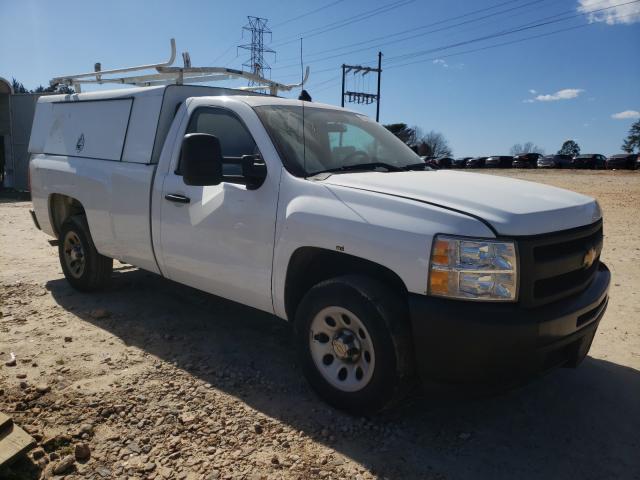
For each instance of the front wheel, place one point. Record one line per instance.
(353, 343)
(84, 268)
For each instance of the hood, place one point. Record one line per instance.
(511, 207)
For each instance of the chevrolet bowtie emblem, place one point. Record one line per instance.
(589, 257)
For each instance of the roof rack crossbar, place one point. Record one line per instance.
(67, 79)
(167, 74)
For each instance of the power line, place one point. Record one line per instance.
(323, 89)
(308, 13)
(348, 21)
(334, 81)
(324, 82)
(414, 36)
(548, 20)
(445, 28)
(518, 29)
(527, 26)
(314, 72)
(379, 10)
(439, 22)
(523, 26)
(502, 44)
(494, 14)
(489, 47)
(225, 53)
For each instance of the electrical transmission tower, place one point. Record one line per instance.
(256, 64)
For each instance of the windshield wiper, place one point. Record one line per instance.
(361, 166)
(416, 166)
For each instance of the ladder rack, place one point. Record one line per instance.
(166, 74)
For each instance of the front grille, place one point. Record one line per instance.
(549, 287)
(553, 266)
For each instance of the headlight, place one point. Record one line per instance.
(473, 269)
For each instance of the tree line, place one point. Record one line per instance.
(434, 144)
(430, 144)
(18, 87)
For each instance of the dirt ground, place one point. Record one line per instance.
(162, 381)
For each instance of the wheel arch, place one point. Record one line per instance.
(309, 266)
(61, 207)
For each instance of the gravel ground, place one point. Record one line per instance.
(155, 380)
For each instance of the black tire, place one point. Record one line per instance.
(97, 269)
(385, 316)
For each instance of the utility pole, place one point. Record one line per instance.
(257, 64)
(362, 97)
(379, 77)
(343, 75)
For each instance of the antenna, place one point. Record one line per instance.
(302, 99)
(301, 63)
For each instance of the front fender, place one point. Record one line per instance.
(393, 232)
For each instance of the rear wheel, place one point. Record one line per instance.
(354, 344)
(84, 268)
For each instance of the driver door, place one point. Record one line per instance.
(219, 238)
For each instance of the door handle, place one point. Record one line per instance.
(174, 197)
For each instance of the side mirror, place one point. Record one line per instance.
(254, 171)
(201, 159)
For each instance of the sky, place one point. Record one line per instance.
(485, 73)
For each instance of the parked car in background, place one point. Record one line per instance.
(460, 162)
(622, 161)
(526, 160)
(564, 161)
(546, 162)
(589, 160)
(555, 161)
(499, 161)
(444, 162)
(476, 162)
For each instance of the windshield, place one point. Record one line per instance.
(333, 140)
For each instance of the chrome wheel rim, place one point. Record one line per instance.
(74, 254)
(342, 349)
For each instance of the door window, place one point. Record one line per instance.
(235, 139)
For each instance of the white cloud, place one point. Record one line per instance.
(626, 115)
(610, 11)
(439, 61)
(532, 91)
(564, 94)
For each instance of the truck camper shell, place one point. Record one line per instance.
(133, 122)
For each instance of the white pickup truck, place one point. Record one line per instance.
(389, 271)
